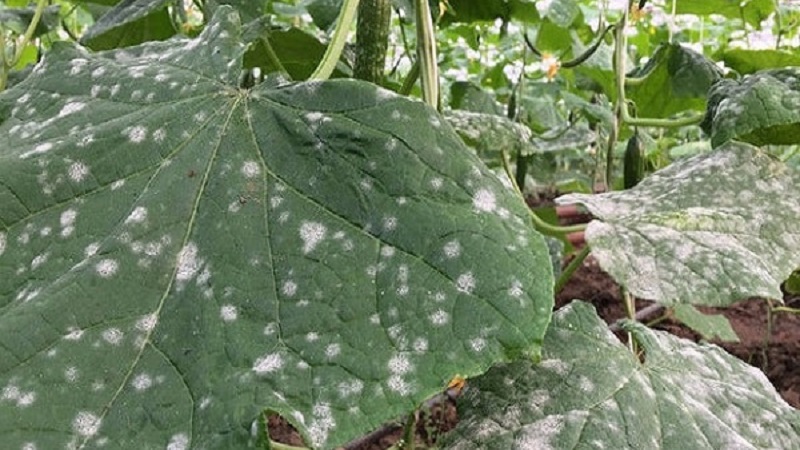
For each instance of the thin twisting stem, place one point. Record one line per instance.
(573, 265)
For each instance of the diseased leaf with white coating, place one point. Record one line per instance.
(709, 230)
(489, 134)
(590, 391)
(762, 108)
(178, 254)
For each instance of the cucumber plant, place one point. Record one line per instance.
(189, 241)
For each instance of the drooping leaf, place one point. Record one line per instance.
(762, 108)
(490, 134)
(469, 11)
(179, 254)
(751, 11)
(19, 19)
(709, 326)
(298, 51)
(248, 10)
(674, 80)
(130, 22)
(324, 12)
(563, 13)
(590, 391)
(471, 97)
(698, 231)
(746, 61)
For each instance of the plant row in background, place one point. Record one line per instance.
(198, 227)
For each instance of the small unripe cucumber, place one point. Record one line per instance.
(634, 162)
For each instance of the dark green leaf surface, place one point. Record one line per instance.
(747, 61)
(751, 11)
(589, 391)
(468, 11)
(19, 19)
(324, 12)
(763, 108)
(699, 230)
(298, 51)
(674, 80)
(178, 254)
(130, 22)
(471, 97)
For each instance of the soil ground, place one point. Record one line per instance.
(776, 352)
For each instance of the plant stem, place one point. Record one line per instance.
(630, 310)
(335, 47)
(372, 39)
(426, 54)
(573, 265)
(786, 309)
(411, 78)
(278, 446)
(409, 431)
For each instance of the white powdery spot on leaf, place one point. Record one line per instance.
(138, 215)
(78, 171)
(44, 147)
(178, 441)
(71, 108)
(390, 223)
(228, 313)
(86, 424)
(250, 169)
(142, 382)
(137, 134)
(91, 249)
(71, 374)
(188, 263)
(477, 344)
(159, 135)
(516, 289)
(321, 425)
(268, 363)
(39, 260)
(484, 200)
(3, 240)
(147, 322)
(452, 249)
(465, 283)
(289, 288)
(312, 233)
(439, 318)
(113, 336)
(333, 350)
(106, 268)
(399, 364)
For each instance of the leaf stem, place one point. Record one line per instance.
(573, 265)
(335, 47)
(426, 54)
(409, 430)
(279, 446)
(273, 58)
(540, 224)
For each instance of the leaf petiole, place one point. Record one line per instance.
(334, 51)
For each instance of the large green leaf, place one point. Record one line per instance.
(751, 11)
(470, 97)
(490, 134)
(590, 391)
(763, 108)
(747, 61)
(710, 230)
(130, 22)
(675, 79)
(178, 254)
